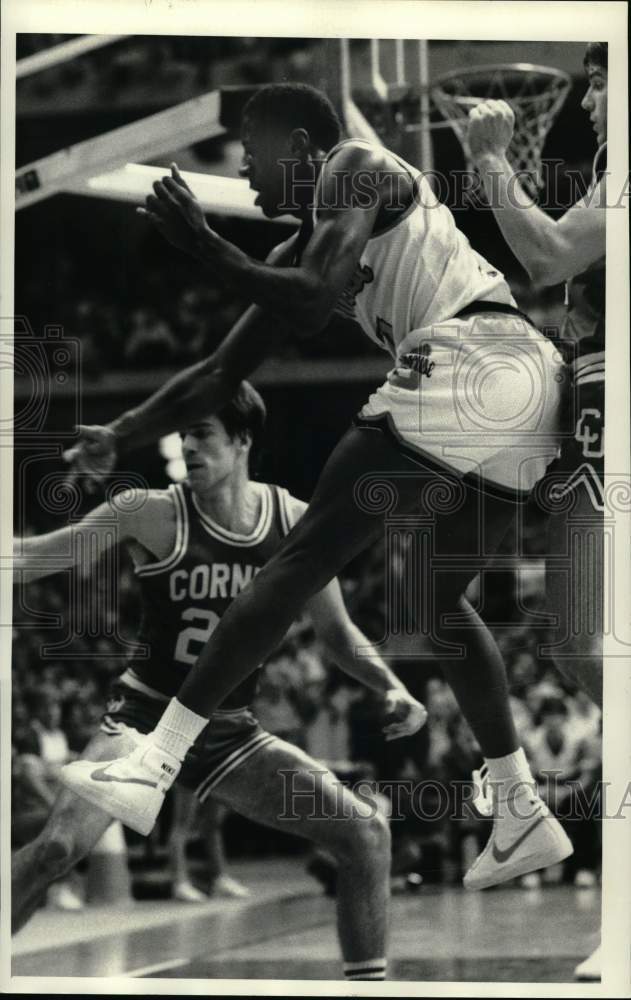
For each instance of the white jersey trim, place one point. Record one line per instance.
(129, 678)
(415, 177)
(588, 364)
(181, 537)
(288, 514)
(234, 760)
(234, 538)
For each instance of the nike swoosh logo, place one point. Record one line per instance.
(501, 856)
(102, 774)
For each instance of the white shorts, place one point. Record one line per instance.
(480, 396)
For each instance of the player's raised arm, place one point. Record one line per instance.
(551, 251)
(305, 295)
(78, 545)
(195, 392)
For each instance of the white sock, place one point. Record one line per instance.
(371, 968)
(510, 775)
(178, 729)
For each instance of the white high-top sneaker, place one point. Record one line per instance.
(525, 837)
(590, 969)
(130, 788)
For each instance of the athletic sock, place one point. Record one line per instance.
(178, 729)
(510, 775)
(371, 968)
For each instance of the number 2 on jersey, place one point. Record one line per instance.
(183, 653)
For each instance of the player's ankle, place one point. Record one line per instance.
(510, 777)
(178, 729)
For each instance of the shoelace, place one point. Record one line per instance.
(482, 794)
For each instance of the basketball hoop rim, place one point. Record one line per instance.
(487, 69)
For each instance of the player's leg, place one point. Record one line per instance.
(573, 496)
(366, 476)
(284, 788)
(72, 830)
(344, 516)
(574, 593)
(220, 883)
(183, 817)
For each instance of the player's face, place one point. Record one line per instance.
(595, 100)
(209, 452)
(263, 149)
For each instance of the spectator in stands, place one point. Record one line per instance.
(150, 342)
(52, 743)
(566, 765)
(40, 750)
(190, 818)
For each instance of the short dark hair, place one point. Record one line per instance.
(297, 105)
(245, 414)
(596, 54)
(552, 706)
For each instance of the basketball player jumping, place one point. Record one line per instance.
(460, 432)
(570, 250)
(195, 546)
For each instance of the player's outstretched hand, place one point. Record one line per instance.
(406, 715)
(93, 456)
(490, 129)
(175, 212)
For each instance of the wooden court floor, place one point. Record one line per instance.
(286, 930)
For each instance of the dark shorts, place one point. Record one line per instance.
(581, 464)
(226, 743)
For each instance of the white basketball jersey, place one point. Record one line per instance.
(417, 271)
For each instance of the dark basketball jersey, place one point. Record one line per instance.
(585, 298)
(185, 594)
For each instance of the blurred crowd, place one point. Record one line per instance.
(152, 323)
(154, 69)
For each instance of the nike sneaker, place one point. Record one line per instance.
(590, 969)
(525, 838)
(186, 892)
(130, 788)
(228, 888)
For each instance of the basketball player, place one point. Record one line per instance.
(571, 249)
(460, 432)
(195, 546)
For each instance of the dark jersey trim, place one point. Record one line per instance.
(384, 423)
(483, 306)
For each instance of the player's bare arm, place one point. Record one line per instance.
(551, 251)
(144, 520)
(327, 265)
(342, 639)
(189, 395)
(306, 295)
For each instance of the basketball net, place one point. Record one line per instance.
(536, 95)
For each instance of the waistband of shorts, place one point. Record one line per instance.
(486, 306)
(588, 368)
(384, 423)
(129, 679)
